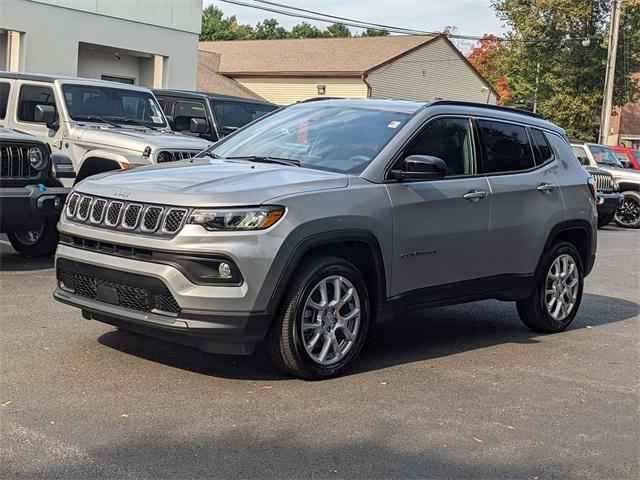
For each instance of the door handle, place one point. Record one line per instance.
(546, 187)
(475, 195)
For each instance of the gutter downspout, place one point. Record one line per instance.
(364, 79)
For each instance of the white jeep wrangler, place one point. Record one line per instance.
(91, 126)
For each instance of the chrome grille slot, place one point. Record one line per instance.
(173, 220)
(151, 219)
(73, 204)
(175, 155)
(603, 182)
(97, 212)
(131, 216)
(84, 208)
(113, 214)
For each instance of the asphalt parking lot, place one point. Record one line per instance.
(456, 392)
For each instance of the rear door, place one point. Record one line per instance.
(519, 165)
(440, 227)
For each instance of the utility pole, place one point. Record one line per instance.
(607, 99)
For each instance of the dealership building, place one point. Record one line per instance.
(153, 43)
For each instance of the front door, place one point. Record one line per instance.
(441, 226)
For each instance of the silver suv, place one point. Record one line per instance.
(92, 126)
(309, 224)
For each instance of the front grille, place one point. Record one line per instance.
(604, 182)
(127, 216)
(14, 163)
(166, 156)
(121, 293)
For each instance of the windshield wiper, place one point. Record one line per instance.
(266, 159)
(132, 121)
(208, 154)
(93, 118)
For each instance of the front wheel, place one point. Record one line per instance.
(556, 299)
(606, 219)
(323, 321)
(40, 241)
(628, 214)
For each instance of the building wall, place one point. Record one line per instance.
(432, 71)
(53, 29)
(286, 90)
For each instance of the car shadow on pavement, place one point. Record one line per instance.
(417, 336)
(10, 261)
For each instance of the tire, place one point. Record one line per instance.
(288, 341)
(534, 311)
(605, 220)
(628, 214)
(40, 242)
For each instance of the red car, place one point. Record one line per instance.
(628, 156)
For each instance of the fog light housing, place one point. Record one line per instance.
(224, 269)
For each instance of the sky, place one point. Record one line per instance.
(471, 17)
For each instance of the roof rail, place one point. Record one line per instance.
(316, 99)
(486, 105)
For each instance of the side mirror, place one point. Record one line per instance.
(170, 121)
(421, 167)
(198, 125)
(46, 114)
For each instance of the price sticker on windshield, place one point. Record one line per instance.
(394, 124)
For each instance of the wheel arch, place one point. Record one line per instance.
(629, 187)
(93, 165)
(579, 234)
(360, 247)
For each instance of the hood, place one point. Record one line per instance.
(626, 174)
(208, 182)
(139, 138)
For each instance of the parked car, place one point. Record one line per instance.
(309, 224)
(629, 157)
(608, 196)
(207, 115)
(628, 181)
(97, 125)
(30, 198)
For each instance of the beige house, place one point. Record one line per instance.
(286, 71)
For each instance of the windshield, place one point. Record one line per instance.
(605, 156)
(636, 154)
(119, 105)
(231, 116)
(333, 138)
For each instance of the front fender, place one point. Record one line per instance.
(132, 160)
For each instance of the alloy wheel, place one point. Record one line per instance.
(330, 320)
(629, 212)
(561, 287)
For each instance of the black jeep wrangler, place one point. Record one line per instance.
(31, 199)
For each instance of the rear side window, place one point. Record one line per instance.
(4, 98)
(541, 148)
(449, 139)
(30, 97)
(506, 147)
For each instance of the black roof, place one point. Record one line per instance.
(213, 96)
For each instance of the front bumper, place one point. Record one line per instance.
(608, 202)
(23, 208)
(207, 317)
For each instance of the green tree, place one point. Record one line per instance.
(564, 78)
(373, 32)
(305, 30)
(270, 29)
(337, 30)
(216, 27)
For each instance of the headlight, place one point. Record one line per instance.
(235, 219)
(164, 157)
(614, 184)
(36, 158)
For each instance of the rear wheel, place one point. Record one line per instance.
(36, 242)
(323, 321)
(628, 214)
(556, 299)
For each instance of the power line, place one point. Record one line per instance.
(322, 17)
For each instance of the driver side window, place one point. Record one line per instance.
(449, 139)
